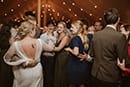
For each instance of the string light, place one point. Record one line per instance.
(50, 14)
(100, 18)
(5, 14)
(41, 16)
(43, 6)
(81, 9)
(12, 10)
(53, 10)
(52, 18)
(2, 0)
(18, 20)
(15, 19)
(95, 6)
(48, 6)
(64, 3)
(69, 9)
(58, 14)
(75, 15)
(90, 14)
(73, 3)
(18, 5)
(34, 12)
(63, 17)
(43, 12)
(49, 9)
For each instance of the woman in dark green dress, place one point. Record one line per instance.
(60, 77)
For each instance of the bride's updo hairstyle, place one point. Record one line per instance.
(24, 29)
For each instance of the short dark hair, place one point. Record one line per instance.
(111, 16)
(50, 23)
(5, 35)
(30, 13)
(85, 21)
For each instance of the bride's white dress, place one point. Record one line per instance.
(29, 76)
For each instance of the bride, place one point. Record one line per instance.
(24, 56)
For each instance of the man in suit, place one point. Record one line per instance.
(107, 46)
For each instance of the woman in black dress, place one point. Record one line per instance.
(6, 75)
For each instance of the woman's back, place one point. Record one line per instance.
(29, 47)
(29, 76)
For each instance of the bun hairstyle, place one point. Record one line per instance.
(24, 29)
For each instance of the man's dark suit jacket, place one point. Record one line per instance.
(107, 46)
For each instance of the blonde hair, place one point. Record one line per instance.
(64, 25)
(81, 28)
(24, 29)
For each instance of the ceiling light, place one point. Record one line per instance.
(43, 12)
(50, 14)
(63, 17)
(100, 18)
(58, 14)
(49, 6)
(5, 14)
(43, 6)
(90, 14)
(95, 6)
(2, 0)
(69, 9)
(48, 9)
(18, 5)
(64, 3)
(75, 15)
(12, 10)
(41, 16)
(81, 9)
(53, 10)
(73, 3)
(52, 18)
(34, 12)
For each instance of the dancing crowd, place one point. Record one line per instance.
(65, 55)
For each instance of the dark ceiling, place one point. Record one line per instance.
(66, 10)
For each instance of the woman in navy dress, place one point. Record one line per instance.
(77, 64)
